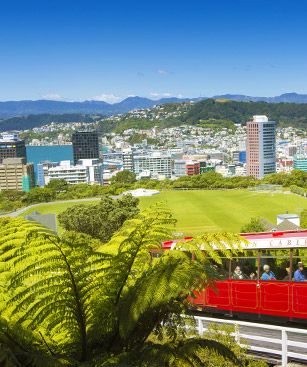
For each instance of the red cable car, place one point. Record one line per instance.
(269, 278)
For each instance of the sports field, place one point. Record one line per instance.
(224, 210)
(210, 210)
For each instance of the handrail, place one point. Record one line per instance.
(284, 342)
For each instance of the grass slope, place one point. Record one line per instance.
(210, 210)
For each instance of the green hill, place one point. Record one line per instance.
(216, 113)
(291, 114)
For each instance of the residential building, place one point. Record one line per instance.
(16, 174)
(292, 150)
(42, 171)
(87, 171)
(127, 157)
(261, 155)
(85, 145)
(192, 168)
(300, 163)
(73, 174)
(239, 156)
(94, 170)
(12, 147)
(242, 156)
(179, 167)
(156, 163)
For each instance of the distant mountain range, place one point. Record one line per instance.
(283, 98)
(24, 108)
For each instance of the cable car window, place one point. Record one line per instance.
(299, 269)
(222, 270)
(275, 265)
(244, 268)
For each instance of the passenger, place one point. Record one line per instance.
(287, 277)
(238, 275)
(253, 276)
(268, 274)
(299, 275)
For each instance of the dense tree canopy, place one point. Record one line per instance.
(100, 220)
(124, 177)
(255, 225)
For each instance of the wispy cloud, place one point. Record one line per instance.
(109, 98)
(53, 97)
(163, 72)
(160, 95)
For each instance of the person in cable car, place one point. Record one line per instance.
(299, 275)
(268, 274)
(287, 276)
(238, 274)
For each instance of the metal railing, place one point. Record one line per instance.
(286, 347)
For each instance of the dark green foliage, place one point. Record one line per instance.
(296, 177)
(58, 186)
(123, 177)
(100, 220)
(239, 112)
(213, 180)
(255, 225)
(40, 195)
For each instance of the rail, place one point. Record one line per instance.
(280, 340)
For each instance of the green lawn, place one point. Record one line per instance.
(54, 208)
(211, 210)
(216, 210)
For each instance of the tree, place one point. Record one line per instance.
(100, 220)
(39, 195)
(124, 177)
(58, 186)
(255, 225)
(304, 219)
(65, 303)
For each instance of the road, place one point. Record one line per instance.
(24, 209)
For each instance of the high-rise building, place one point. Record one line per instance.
(85, 145)
(261, 154)
(12, 147)
(15, 174)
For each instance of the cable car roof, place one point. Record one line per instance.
(262, 240)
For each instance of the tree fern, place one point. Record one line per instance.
(76, 304)
(49, 286)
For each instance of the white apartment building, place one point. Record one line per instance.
(156, 163)
(127, 158)
(88, 171)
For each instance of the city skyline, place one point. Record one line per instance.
(77, 50)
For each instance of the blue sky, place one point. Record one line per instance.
(96, 49)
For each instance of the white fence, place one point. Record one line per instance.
(274, 340)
